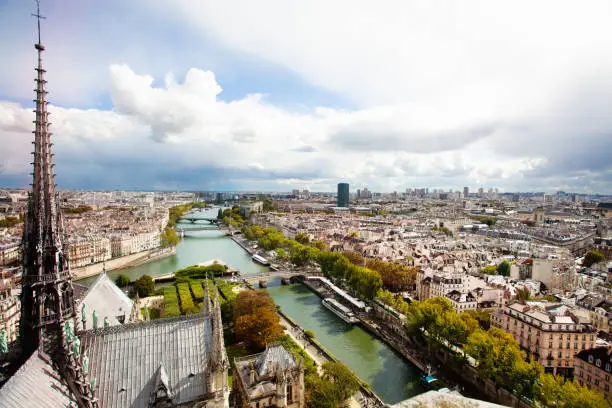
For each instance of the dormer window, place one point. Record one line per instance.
(591, 359)
(598, 363)
(608, 367)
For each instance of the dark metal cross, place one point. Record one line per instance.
(38, 17)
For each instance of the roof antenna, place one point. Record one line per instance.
(38, 17)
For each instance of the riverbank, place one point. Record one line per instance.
(115, 264)
(241, 243)
(320, 355)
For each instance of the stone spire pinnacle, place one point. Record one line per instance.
(218, 362)
(206, 305)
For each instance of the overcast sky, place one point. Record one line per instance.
(280, 94)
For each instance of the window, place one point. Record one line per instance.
(567, 345)
(588, 378)
(560, 354)
(591, 359)
(607, 387)
(597, 381)
(598, 363)
(550, 344)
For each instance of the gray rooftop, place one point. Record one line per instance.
(107, 300)
(126, 360)
(36, 385)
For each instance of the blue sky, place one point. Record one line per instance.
(275, 95)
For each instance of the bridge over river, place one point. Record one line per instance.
(194, 220)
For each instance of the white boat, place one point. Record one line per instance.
(261, 260)
(340, 310)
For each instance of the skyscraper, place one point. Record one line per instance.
(466, 192)
(343, 195)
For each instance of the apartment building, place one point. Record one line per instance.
(593, 367)
(9, 253)
(86, 250)
(10, 308)
(548, 332)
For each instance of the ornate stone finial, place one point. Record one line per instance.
(94, 318)
(83, 314)
(76, 346)
(85, 363)
(106, 322)
(4, 341)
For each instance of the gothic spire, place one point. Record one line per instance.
(47, 300)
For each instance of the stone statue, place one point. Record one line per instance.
(85, 363)
(94, 318)
(67, 331)
(106, 322)
(76, 346)
(92, 384)
(4, 341)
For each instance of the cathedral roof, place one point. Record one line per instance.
(36, 384)
(273, 358)
(125, 360)
(107, 300)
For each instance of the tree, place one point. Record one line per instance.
(489, 270)
(592, 257)
(310, 334)
(122, 281)
(255, 320)
(220, 214)
(523, 293)
(144, 286)
(282, 254)
(504, 268)
(320, 245)
(355, 257)
(302, 238)
(556, 391)
(344, 381)
(322, 393)
(168, 238)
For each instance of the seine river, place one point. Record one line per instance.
(389, 375)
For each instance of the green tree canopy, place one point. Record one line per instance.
(592, 257)
(504, 268)
(144, 286)
(122, 281)
(302, 238)
(168, 238)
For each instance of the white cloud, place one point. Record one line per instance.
(182, 127)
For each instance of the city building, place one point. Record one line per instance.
(9, 253)
(466, 192)
(343, 195)
(593, 368)
(272, 378)
(9, 310)
(548, 332)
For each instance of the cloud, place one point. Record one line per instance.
(497, 94)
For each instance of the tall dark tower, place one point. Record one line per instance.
(47, 302)
(47, 297)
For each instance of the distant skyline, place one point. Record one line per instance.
(275, 95)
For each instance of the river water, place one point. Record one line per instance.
(389, 375)
(196, 247)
